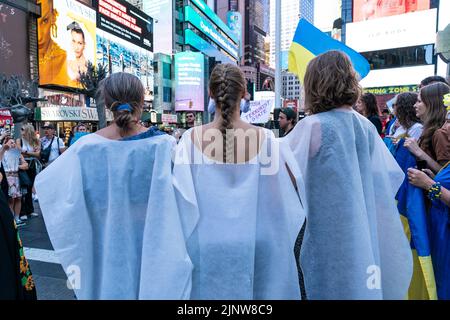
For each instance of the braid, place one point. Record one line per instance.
(227, 86)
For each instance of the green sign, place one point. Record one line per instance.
(194, 40)
(392, 89)
(215, 19)
(191, 16)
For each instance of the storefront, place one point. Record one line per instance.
(66, 118)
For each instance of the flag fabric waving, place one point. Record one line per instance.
(309, 42)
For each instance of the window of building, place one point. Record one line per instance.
(167, 94)
(401, 57)
(166, 71)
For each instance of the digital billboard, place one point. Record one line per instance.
(14, 58)
(372, 9)
(161, 12)
(189, 81)
(66, 41)
(125, 21)
(406, 30)
(119, 55)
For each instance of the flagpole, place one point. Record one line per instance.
(278, 82)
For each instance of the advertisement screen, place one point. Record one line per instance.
(161, 12)
(372, 9)
(66, 41)
(14, 58)
(125, 21)
(119, 55)
(189, 78)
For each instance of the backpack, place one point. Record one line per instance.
(45, 152)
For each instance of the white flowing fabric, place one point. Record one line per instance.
(110, 211)
(240, 221)
(353, 229)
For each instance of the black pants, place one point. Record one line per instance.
(27, 199)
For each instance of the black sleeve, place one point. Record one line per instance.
(377, 123)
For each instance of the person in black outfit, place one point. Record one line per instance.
(16, 280)
(367, 106)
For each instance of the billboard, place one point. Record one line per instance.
(14, 58)
(66, 41)
(125, 21)
(372, 9)
(161, 12)
(119, 55)
(234, 22)
(406, 30)
(189, 81)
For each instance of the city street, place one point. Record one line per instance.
(48, 274)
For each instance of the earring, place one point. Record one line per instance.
(54, 30)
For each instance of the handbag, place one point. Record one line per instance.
(45, 152)
(24, 179)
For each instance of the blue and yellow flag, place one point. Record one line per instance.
(309, 42)
(411, 205)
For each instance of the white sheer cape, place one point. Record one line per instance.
(354, 245)
(240, 221)
(110, 211)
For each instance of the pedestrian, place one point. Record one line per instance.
(432, 150)
(110, 210)
(15, 275)
(241, 213)
(354, 245)
(50, 142)
(410, 126)
(80, 131)
(287, 120)
(432, 79)
(13, 161)
(190, 120)
(367, 106)
(437, 189)
(30, 146)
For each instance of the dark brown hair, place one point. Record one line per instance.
(123, 88)
(227, 88)
(330, 82)
(405, 111)
(370, 104)
(432, 96)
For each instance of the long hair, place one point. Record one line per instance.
(330, 82)
(29, 135)
(370, 103)
(432, 96)
(405, 111)
(227, 88)
(123, 89)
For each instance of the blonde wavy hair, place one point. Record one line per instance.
(29, 134)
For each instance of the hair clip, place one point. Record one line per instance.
(124, 107)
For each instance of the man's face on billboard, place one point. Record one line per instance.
(78, 44)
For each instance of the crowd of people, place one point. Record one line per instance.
(230, 211)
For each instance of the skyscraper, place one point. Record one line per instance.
(291, 12)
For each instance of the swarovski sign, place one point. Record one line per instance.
(69, 114)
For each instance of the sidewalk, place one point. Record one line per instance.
(48, 274)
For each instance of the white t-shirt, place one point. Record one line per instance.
(54, 153)
(414, 132)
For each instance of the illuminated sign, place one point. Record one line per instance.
(401, 31)
(189, 81)
(192, 39)
(161, 11)
(215, 19)
(190, 15)
(69, 114)
(125, 21)
(373, 9)
(66, 42)
(392, 89)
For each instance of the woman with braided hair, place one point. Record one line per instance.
(241, 212)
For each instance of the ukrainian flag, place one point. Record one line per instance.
(411, 205)
(309, 42)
